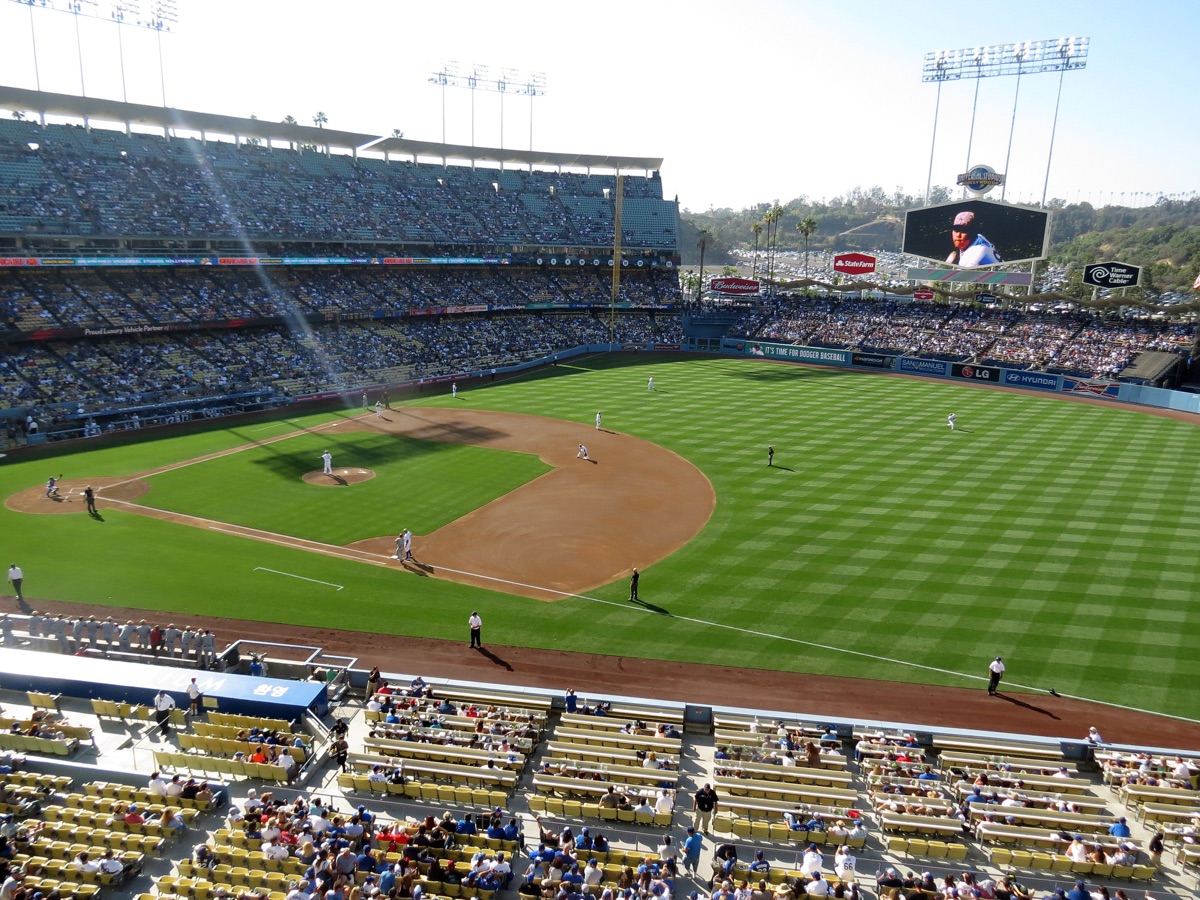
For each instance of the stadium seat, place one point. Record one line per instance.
(957, 852)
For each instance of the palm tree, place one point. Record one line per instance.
(320, 119)
(756, 229)
(774, 214)
(290, 120)
(806, 228)
(702, 244)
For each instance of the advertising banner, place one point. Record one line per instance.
(873, 360)
(1109, 390)
(793, 353)
(1042, 381)
(854, 264)
(962, 276)
(921, 366)
(733, 285)
(1112, 275)
(975, 373)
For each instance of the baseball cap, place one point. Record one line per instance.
(966, 217)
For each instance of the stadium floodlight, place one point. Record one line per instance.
(1060, 55)
(160, 15)
(484, 78)
(1025, 58)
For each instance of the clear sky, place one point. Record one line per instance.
(746, 102)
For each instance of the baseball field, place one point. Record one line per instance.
(880, 544)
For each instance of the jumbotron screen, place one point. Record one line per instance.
(974, 233)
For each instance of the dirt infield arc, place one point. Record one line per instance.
(579, 526)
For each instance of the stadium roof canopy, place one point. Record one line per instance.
(89, 108)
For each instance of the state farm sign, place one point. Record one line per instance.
(734, 285)
(854, 264)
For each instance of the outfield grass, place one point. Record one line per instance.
(1054, 533)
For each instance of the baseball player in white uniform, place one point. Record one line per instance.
(950, 421)
(327, 460)
(582, 454)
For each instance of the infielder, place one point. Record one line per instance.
(379, 407)
(582, 454)
(407, 543)
(327, 460)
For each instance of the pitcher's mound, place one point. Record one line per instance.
(339, 477)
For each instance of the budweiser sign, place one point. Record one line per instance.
(854, 264)
(734, 285)
(922, 294)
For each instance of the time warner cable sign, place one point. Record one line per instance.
(1112, 275)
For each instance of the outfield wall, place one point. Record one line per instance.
(1103, 388)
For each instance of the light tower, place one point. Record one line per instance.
(1026, 58)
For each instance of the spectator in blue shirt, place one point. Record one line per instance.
(1119, 828)
(466, 825)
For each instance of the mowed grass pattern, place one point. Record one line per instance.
(881, 545)
(1053, 533)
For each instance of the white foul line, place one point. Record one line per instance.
(301, 577)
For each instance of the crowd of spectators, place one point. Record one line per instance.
(81, 181)
(31, 300)
(173, 377)
(1091, 344)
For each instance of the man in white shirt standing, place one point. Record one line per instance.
(163, 704)
(16, 576)
(476, 624)
(995, 673)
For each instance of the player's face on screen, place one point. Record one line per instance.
(960, 239)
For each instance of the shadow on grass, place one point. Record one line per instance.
(650, 607)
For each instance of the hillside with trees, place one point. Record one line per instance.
(1163, 238)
